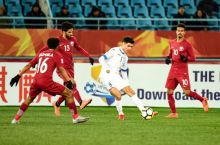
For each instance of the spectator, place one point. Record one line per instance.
(96, 13)
(4, 23)
(199, 25)
(210, 7)
(36, 23)
(180, 15)
(64, 13)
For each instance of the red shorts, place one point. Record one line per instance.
(173, 81)
(50, 87)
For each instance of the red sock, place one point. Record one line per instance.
(60, 100)
(76, 94)
(171, 102)
(73, 109)
(21, 111)
(196, 96)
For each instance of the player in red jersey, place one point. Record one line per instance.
(67, 44)
(47, 62)
(181, 52)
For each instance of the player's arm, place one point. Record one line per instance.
(103, 60)
(15, 79)
(191, 57)
(82, 51)
(168, 58)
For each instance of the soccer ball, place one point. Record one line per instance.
(90, 88)
(147, 113)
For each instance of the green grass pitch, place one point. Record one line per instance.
(39, 126)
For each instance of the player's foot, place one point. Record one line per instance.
(85, 103)
(14, 121)
(205, 104)
(56, 109)
(172, 115)
(121, 117)
(80, 119)
(155, 113)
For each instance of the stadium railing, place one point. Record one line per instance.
(111, 23)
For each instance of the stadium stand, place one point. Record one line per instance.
(118, 10)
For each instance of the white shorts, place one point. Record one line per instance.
(112, 79)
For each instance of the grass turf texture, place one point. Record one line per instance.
(39, 126)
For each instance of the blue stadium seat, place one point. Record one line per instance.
(30, 2)
(151, 3)
(144, 24)
(171, 11)
(14, 2)
(26, 8)
(172, 3)
(56, 2)
(87, 10)
(119, 3)
(55, 9)
(190, 10)
(124, 11)
(1, 2)
(141, 12)
(88, 2)
(187, 3)
(104, 2)
(213, 25)
(113, 24)
(75, 10)
(137, 3)
(127, 24)
(162, 24)
(109, 10)
(14, 9)
(72, 2)
(157, 12)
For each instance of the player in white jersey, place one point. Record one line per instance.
(114, 75)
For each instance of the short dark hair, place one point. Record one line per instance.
(128, 40)
(181, 25)
(66, 26)
(52, 43)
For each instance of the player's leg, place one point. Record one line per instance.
(71, 104)
(171, 84)
(185, 84)
(118, 102)
(22, 109)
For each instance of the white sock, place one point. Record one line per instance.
(118, 105)
(138, 102)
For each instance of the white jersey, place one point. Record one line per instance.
(115, 60)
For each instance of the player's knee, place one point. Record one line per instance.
(186, 92)
(169, 91)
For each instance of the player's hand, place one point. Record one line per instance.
(183, 58)
(91, 60)
(167, 60)
(15, 80)
(69, 84)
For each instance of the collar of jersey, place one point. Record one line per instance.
(121, 51)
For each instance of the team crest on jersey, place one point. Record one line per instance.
(181, 48)
(72, 43)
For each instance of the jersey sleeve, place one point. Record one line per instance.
(190, 53)
(79, 48)
(170, 50)
(58, 58)
(105, 58)
(34, 61)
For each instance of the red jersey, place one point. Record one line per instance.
(47, 61)
(66, 48)
(177, 49)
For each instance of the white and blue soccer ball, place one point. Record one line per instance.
(147, 113)
(90, 87)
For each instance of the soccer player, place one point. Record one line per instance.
(181, 52)
(67, 44)
(47, 61)
(114, 75)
